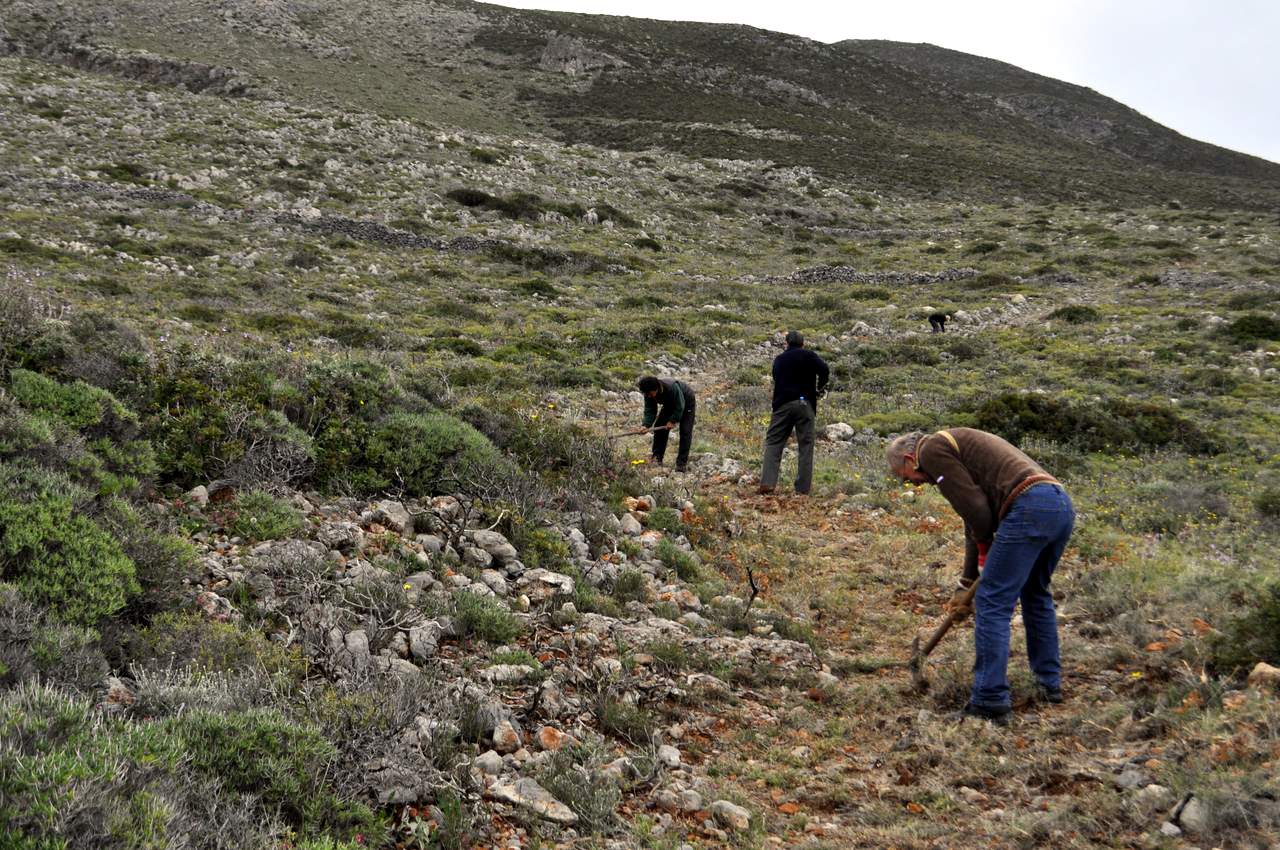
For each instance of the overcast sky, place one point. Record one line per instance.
(1209, 69)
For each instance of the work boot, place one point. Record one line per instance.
(764, 490)
(1043, 693)
(1000, 715)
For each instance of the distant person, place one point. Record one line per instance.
(938, 322)
(668, 404)
(993, 485)
(799, 378)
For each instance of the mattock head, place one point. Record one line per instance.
(917, 666)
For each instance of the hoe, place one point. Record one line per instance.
(919, 654)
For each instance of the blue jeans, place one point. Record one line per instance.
(1025, 552)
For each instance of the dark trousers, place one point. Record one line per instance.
(938, 325)
(660, 437)
(798, 416)
(1026, 550)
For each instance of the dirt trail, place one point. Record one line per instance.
(862, 759)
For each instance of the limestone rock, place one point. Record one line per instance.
(1263, 675)
(528, 794)
(838, 432)
(495, 544)
(489, 762)
(508, 673)
(631, 526)
(731, 816)
(393, 515)
(669, 756)
(1194, 816)
(506, 738)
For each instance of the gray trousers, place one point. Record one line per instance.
(795, 416)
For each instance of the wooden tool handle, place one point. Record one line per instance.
(950, 621)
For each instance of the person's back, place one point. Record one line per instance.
(799, 377)
(798, 373)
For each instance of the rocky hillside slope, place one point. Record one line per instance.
(913, 117)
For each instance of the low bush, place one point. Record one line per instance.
(258, 515)
(629, 587)
(666, 520)
(1253, 328)
(572, 777)
(1110, 425)
(111, 781)
(53, 550)
(1268, 502)
(673, 558)
(1074, 314)
(1252, 636)
(486, 618)
(35, 644)
(427, 453)
(990, 280)
(85, 430)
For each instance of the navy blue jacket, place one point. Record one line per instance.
(798, 373)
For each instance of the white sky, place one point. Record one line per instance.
(1209, 69)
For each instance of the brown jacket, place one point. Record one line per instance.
(981, 475)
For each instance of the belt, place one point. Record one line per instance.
(1023, 486)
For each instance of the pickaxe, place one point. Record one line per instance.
(919, 653)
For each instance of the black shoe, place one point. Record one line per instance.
(1000, 715)
(1047, 694)
(682, 469)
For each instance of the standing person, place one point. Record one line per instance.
(938, 322)
(995, 487)
(799, 377)
(668, 404)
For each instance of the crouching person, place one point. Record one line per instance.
(1017, 520)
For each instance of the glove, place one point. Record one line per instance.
(983, 549)
(958, 605)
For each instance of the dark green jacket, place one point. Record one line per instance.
(671, 399)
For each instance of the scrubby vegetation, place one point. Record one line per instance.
(268, 368)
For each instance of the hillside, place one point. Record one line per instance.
(916, 118)
(319, 332)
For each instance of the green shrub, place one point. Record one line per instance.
(570, 778)
(666, 520)
(485, 617)
(673, 558)
(114, 458)
(1251, 300)
(281, 762)
(1074, 314)
(258, 515)
(647, 243)
(1268, 502)
(982, 248)
(486, 156)
(123, 783)
(1253, 636)
(630, 587)
(191, 640)
(17, 246)
(1113, 424)
(990, 280)
(1252, 328)
(34, 643)
(428, 453)
(469, 197)
(306, 257)
(624, 720)
(54, 552)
